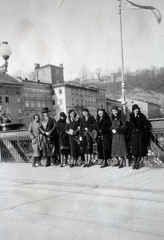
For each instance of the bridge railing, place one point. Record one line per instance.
(15, 146)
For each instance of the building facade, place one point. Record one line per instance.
(36, 96)
(67, 96)
(149, 109)
(49, 73)
(11, 98)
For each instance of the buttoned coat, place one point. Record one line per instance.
(48, 140)
(36, 137)
(119, 148)
(87, 141)
(138, 134)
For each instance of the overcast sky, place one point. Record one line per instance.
(81, 33)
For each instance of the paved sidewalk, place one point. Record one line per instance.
(80, 203)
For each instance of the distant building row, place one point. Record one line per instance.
(21, 99)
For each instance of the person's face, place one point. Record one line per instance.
(37, 119)
(85, 113)
(72, 114)
(62, 117)
(115, 112)
(45, 115)
(136, 111)
(100, 113)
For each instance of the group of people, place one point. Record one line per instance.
(73, 136)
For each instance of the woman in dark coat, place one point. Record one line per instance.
(87, 125)
(138, 135)
(72, 128)
(104, 135)
(63, 139)
(119, 127)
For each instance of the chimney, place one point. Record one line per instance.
(61, 65)
(36, 65)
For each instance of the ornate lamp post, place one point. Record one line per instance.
(5, 52)
(122, 58)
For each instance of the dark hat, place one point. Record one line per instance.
(135, 106)
(85, 110)
(115, 108)
(45, 110)
(71, 110)
(62, 114)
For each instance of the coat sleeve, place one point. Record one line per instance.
(32, 136)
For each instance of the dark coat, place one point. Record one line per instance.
(48, 140)
(63, 136)
(87, 141)
(74, 146)
(104, 126)
(119, 148)
(138, 134)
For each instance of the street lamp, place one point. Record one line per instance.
(122, 58)
(5, 52)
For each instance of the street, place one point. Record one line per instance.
(81, 203)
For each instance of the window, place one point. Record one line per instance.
(85, 103)
(88, 103)
(26, 94)
(38, 95)
(53, 92)
(73, 102)
(72, 91)
(49, 105)
(77, 92)
(7, 99)
(27, 115)
(60, 101)
(32, 103)
(0, 99)
(27, 104)
(60, 91)
(38, 104)
(81, 102)
(18, 92)
(86, 93)
(20, 120)
(43, 104)
(81, 93)
(77, 101)
(19, 110)
(6, 91)
(7, 110)
(53, 102)
(18, 100)
(31, 95)
(57, 72)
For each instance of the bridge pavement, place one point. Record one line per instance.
(80, 203)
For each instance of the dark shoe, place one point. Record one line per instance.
(104, 165)
(134, 167)
(88, 165)
(61, 165)
(71, 165)
(121, 166)
(85, 165)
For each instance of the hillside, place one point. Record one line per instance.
(113, 91)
